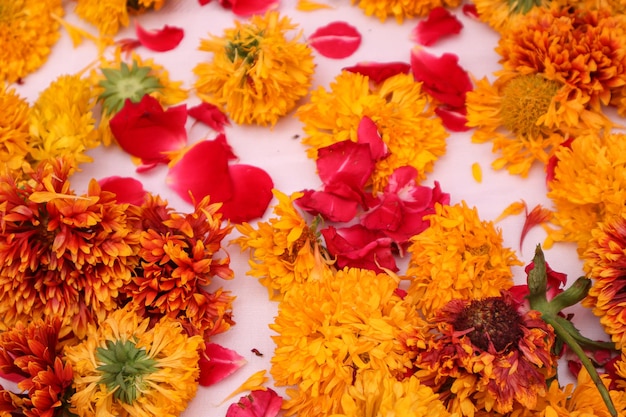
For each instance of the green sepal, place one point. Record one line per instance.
(126, 83)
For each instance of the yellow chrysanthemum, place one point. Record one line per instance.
(582, 49)
(526, 117)
(109, 15)
(458, 257)
(398, 107)
(61, 121)
(127, 368)
(605, 263)
(284, 250)
(331, 331)
(401, 9)
(28, 30)
(257, 74)
(14, 136)
(589, 186)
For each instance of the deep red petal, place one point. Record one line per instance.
(146, 131)
(210, 115)
(380, 71)
(367, 132)
(336, 40)
(554, 161)
(250, 7)
(345, 162)
(469, 10)
(442, 77)
(538, 215)
(259, 403)
(127, 190)
(218, 362)
(164, 39)
(252, 193)
(204, 2)
(386, 216)
(438, 24)
(453, 119)
(330, 206)
(203, 170)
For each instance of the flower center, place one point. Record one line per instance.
(524, 100)
(124, 368)
(126, 83)
(245, 48)
(492, 320)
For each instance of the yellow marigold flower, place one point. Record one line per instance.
(401, 9)
(605, 263)
(109, 15)
(486, 354)
(583, 49)
(589, 186)
(61, 121)
(125, 367)
(398, 107)
(27, 32)
(331, 331)
(62, 254)
(14, 136)
(179, 256)
(284, 250)
(257, 74)
(526, 117)
(458, 257)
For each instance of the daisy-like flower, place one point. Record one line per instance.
(110, 15)
(582, 49)
(28, 30)
(589, 187)
(332, 330)
(257, 73)
(459, 256)
(62, 254)
(284, 250)
(605, 263)
(14, 130)
(401, 9)
(61, 122)
(525, 116)
(33, 352)
(400, 110)
(485, 354)
(125, 367)
(179, 256)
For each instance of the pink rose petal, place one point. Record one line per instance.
(380, 71)
(346, 162)
(252, 193)
(367, 132)
(438, 24)
(453, 120)
(127, 190)
(165, 39)
(249, 7)
(210, 115)
(259, 403)
(330, 206)
(218, 362)
(336, 40)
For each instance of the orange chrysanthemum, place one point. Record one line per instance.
(60, 253)
(14, 134)
(486, 355)
(179, 255)
(401, 9)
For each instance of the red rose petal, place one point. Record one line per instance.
(218, 362)
(367, 132)
(210, 115)
(442, 77)
(438, 24)
(146, 131)
(127, 190)
(249, 7)
(252, 193)
(336, 40)
(204, 2)
(345, 162)
(165, 39)
(330, 206)
(259, 403)
(469, 10)
(380, 71)
(453, 120)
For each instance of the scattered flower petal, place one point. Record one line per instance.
(162, 40)
(218, 362)
(252, 193)
(210, 115)
(554, 160)
(454, 120)
(469, 10)
(380, 71)
(249, 7)
(255, 382)
(511, 210)
(146, 131)
(538, 215)
(368, 133)
(328, 205)
(127, 190)
(442, 77)
(259, 403)
(345, 163)
(477, 172)
(336, 40)
(438, 24)
(308, 5)
(204, 2)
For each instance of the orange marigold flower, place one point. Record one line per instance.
(486, 354)
(401, 9)
(180, 254)
(60, 253)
